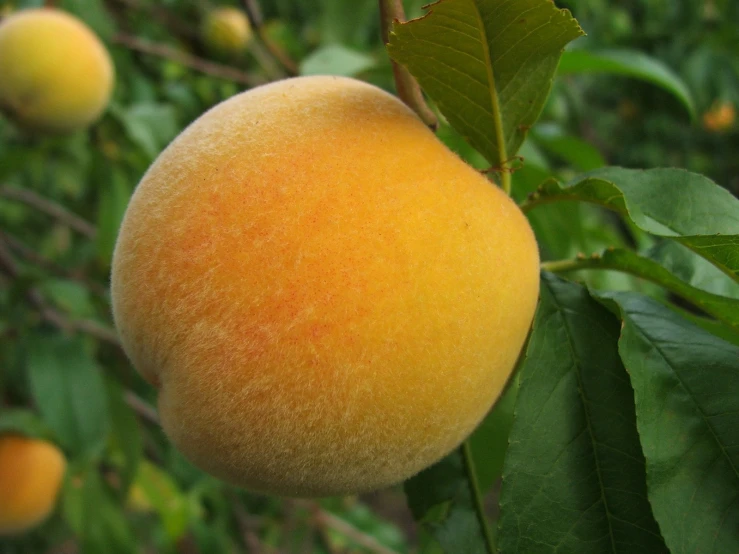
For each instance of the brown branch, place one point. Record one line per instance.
(328, 520)
(408, 88)
(164, 16)
(50, 208)
(52, 316)
(256, 20)
(193, 62)
(34, 257)
(141, 407)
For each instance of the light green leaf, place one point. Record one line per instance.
(335, 59)
(620, 259)
(488, 65)
(160, 490)
(575, 151)
(673, 203)
(686, 386)
(629, 63)
(574, 476)
(441, 501)
(69, 391)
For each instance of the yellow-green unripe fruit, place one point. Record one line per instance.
(31, 473)
(327, 298)
(226, 30)
(55, 74)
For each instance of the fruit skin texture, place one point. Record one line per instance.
(328, 299)
(31, 473)
(226, 30)
(56, 74)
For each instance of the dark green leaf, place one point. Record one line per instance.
(441, 500)
(721, 307)
(629, 63)
(114, 196)
(490, 440)
(125, 437)
(574, 476)
(686, 385)
(24, 422)
(91, 512)
(575, 151)
(672, 203)
(488, 65)
(69, 390)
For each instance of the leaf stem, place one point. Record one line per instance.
(704, 300)
(408, 88)
(256, 20)
(469, 466)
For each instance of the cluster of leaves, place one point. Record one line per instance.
(619, 431)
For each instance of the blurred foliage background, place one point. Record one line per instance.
(62, 373)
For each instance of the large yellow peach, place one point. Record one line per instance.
(226, 30)
(55, 74)
(328, 299)
(31, 473)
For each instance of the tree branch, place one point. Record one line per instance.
(256, 20)
(50, 208)
(188, 60)
(406, 85)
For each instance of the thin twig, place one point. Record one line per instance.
(335, 523)
(408, 88)
(141, 407)
(34, 257)
(50, 208)
(256, 20)
(52, 316)
(166, 17)
(193, 62)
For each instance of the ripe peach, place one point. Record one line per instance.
(31, 473)
(328, 299)
(226, 30)
(56, 74)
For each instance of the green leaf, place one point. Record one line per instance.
(620, 259)
(125, 437)
(69, 390)
(94, 13)
(489, 442)
(574, 475)
(159, 489)
(575, 151)
(24, 422)
(150, 126)
(686, 386)
(441, 501)
(693, 269)
(673, 203)
(629, 63)
(488, 65)
(335, 59)
(90, 511)
(114, 196)
(72, 297)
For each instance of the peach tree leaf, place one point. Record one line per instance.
(488, 65)
(574, 475)
(673, 203)
(686, 389)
